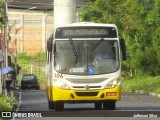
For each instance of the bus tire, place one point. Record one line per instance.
(50, 105)
(37, 88)
(58, 105)
(109, 105)
(98, 105)
(22, 88)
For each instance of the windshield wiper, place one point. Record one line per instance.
(94, 48)
(74, 50)
(97, 44)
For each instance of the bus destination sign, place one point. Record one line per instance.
(83, 32)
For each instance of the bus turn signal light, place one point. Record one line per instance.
(111, 94)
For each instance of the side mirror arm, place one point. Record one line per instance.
(49, 43)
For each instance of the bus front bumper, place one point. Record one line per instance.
(85, 95)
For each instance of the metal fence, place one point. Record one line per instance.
(38, 70)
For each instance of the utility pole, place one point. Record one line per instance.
(6, 36)
(64, 12)
(5, 43)
(44, 31)
(15, 54)
(22, 28)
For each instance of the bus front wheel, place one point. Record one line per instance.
(98, 105)
(58, 105)
(50, 105)
(109, 105)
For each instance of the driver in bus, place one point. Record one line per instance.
(101, 55)
(104, 51)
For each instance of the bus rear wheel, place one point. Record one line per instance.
(109, 105)
(58, 105)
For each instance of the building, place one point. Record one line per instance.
(30, 24)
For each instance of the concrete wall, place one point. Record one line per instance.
(33, 27)
(31, 30)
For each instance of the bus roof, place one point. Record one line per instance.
(89, 24)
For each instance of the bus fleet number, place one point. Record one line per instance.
(57, 75)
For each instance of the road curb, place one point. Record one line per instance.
(154, 94)
(150, 93)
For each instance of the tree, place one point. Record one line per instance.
(139, 23)
(2, 17)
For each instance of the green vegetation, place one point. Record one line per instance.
(7, 103)
(23, 58)
(139, 24)
(146, 84)
(2, 20)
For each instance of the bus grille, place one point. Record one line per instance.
(83, 94)
(86, 81)
(90, 87)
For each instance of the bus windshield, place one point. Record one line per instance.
(86, 57)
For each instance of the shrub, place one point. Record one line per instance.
(6, 103)
(149, 62)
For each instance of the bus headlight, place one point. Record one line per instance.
(61, 84)
(113, 83)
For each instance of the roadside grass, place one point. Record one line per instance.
(23, 58)
(144, 83)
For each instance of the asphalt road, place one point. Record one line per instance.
(144, 106)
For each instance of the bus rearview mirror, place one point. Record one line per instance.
(123, 48)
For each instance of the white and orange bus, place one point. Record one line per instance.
(84, 65)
